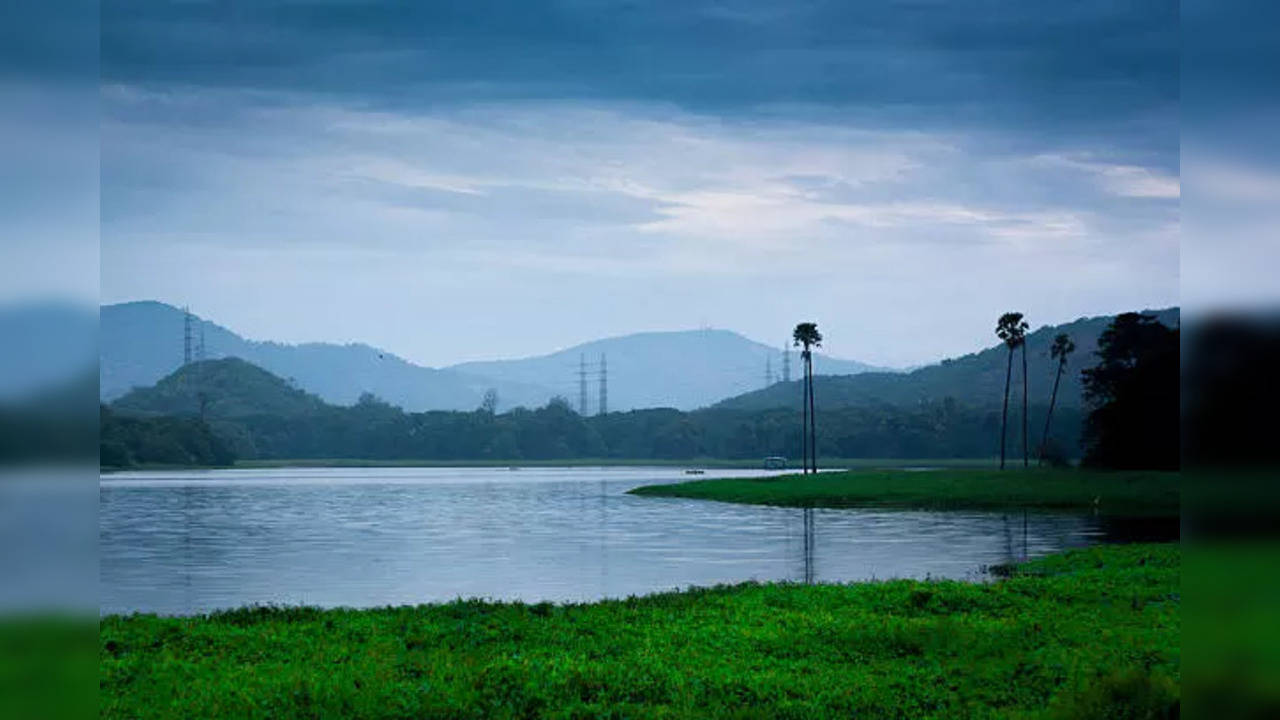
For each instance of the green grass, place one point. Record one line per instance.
(1090, 633)
(1112, 493)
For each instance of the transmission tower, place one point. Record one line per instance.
(768, 371)
(786, 364)
(186, 335)
(604, 385)
(582, 385)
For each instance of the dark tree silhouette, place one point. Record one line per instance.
(1011, 329)
(806, 335)
(1135, 421)
(1025, 461)
(1062, 347)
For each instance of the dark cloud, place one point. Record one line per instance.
(1091, 67)
(601, 167)
(49, 41)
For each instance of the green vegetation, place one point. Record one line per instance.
(1111, 493)
(262, 417)
(127, 442)
(1090, 633)
(975, 380)
(229, 387)
(1135, 420)
(47, 665)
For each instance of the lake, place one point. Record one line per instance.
(192, 541)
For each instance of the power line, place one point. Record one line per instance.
(582, 385)
(186, 335)
(604, 385)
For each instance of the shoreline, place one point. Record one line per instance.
(1134, 494)
(1022, 644)
(830, 464)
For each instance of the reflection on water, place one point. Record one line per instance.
(183, 542)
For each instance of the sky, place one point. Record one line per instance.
(460, 181)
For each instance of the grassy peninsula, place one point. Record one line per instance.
(1137, 493)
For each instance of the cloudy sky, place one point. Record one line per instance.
(457, 181)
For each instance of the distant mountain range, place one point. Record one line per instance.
(976, 380)
(682, 370)
(142, 342)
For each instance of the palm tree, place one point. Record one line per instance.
(806, 335)
(1012, 330)
(1061, 348)
(1024, 401)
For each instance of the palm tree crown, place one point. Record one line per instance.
(1012, 329)
(1062, 347)
(806, 334)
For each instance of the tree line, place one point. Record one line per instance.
(1132, 393)
(1131, 420)
(372, 429)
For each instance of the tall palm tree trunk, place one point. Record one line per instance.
(1004, 414)
(813, 420)
(1024, 404)
(804, 423)
(1053, 398)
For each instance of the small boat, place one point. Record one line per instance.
(693, 471)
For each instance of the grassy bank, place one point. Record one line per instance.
(1074, 635)
(1113, 493)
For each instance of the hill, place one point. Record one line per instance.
(229, 388)
(141, 342)
(681, 369)
(976, 379)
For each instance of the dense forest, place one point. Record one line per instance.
(165, 440)
(259, 416)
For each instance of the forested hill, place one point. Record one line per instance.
(228, 388)
(141, 342)
(975, 380)
(252, 414)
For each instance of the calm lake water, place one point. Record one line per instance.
(193, 541)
